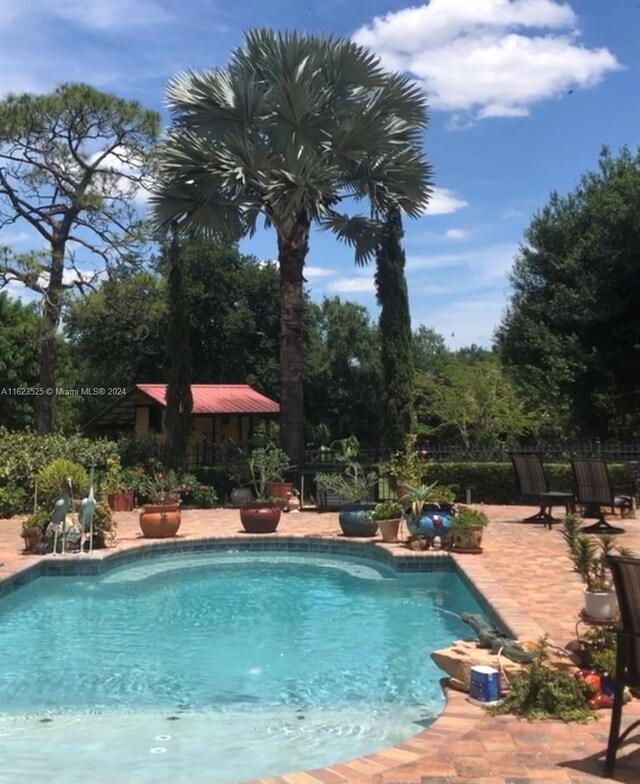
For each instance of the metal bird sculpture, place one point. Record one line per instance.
(58, 518)
(87, 510)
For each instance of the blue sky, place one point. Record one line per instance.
(523, 94)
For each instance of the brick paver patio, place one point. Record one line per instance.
(526, 575)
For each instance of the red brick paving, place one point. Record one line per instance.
(527, 577)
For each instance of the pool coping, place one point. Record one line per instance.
(458, 716)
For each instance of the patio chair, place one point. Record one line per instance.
(534, 489)
(626, 578)
(592, 487)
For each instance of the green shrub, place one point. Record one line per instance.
(51, 480)
(13, 500)
(467, 517)
(24, 454)
(495, 483)
(541, 692)
(104, 526)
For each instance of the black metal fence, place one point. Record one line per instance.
(552, 451)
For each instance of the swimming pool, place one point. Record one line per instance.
(218, 667)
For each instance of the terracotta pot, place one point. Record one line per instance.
(389, 529)
(260, 518)
(282, 490)
(159, 521)
(122, 501)
(466, 538)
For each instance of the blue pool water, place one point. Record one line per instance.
(219, 667)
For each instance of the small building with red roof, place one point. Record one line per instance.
(222, 414)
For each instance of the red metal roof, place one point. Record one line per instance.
(219, 398)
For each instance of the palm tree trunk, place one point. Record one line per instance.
(46, 406)
(293, 245)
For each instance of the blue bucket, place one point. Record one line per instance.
(484, 686)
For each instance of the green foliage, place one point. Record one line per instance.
(342, 370)
(397, 414)
(104, 525)
(467, 517)
(473, 400)
(298, 124)
(542, 692)
(36, 523)
(24, 454)
(155, 485)
(570, 335)
(353, 483)
(405, 466)
(13, 500)
(604, 661)
(127, 311)
(57, 155)
(429, 351)
(387, 510)
(19, 327)
(266, 463)
(495, 483)
(51, 481)
(588, 554)
(423, 495)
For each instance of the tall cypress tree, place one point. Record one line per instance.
(178, 361)
(398, 417)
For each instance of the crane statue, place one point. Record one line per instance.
(58, 518)
(87, 510)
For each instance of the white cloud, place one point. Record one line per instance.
(511, 213)
(456, 234)
(355, 285)
(490, 261)
(444, 201)
(317, 272)
(489, 58)
(94, 14)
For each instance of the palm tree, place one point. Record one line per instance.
(292, 130)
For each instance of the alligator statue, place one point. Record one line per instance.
(491, 637)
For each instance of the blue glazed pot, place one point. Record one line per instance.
(355, 520)
(436, 520)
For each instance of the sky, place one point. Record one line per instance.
(523, 94)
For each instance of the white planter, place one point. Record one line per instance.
(602, 605)
(240, 496)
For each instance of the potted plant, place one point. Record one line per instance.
(431, 512)
(265, 464)
(388, 515)
(353, 484)
(466, 529)
(588, 554)
(160, 516)
(239, 474)
(405, 468)
(33, 531)
(117, 483)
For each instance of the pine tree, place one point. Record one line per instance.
(398, 414)
(178, 362)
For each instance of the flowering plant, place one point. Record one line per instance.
(158, 486)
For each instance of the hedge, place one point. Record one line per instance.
(495, 483)
(24, 454)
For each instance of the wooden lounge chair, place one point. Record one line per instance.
(534, 489)
(626, 578)
(592, 488)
